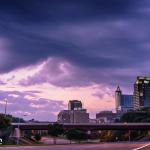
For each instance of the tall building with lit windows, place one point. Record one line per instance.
(141, 93)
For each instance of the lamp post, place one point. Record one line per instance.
(5, 106)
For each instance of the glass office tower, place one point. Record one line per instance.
(141, 93)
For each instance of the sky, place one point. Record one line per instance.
(53, 51)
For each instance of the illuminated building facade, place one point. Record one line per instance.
(141, 92)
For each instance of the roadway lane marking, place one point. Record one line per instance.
(142, 147)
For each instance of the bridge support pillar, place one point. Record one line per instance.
(99, 133)
(21, 133)
(40, 132)
(89, 133)
(129, 134)
(16, 133)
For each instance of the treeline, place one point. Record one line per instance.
(15, 119)
(139, 116)
(134, 117)
(75, 134)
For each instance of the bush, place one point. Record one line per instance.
(28, 134)
(55, 130)
(37, 137)
(76, 134)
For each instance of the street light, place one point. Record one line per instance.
(5, 106)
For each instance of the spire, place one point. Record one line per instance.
(118, 89)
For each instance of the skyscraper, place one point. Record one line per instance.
(124, 102)
(118, 94)
(141, 92)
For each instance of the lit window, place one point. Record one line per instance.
(145, 81)
(141, 94)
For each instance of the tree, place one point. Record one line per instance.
(55, 130)
(138, 116)
(76, 134)
(28, 134)
(15, 119)
(141, 115)
(37, 137)
(5, 128)
(4, 121)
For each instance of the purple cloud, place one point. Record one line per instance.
(61, 73)
(81, 42)
(37, 108)
(2, 82)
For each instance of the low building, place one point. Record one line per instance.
(105, 117)
(79, 116)
(92, 121)
(74, 114)
(64, 116)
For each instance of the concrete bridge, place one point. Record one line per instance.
(86, 126)
(19, 128)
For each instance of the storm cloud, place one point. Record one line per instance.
(88, 34)
(80, 43)
(91, 33)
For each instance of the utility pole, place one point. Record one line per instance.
(129, 135)
(5, 107)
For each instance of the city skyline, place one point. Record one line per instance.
(55, 51)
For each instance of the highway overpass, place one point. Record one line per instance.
(87, 126)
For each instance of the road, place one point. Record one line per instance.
(105, 146)
(49, 140)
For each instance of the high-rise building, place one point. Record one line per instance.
(118, 94)
(141, 92)
(74, 105)
(124, 102)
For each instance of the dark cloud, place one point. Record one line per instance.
(104, 40)
(31, 11)
(28, 25)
